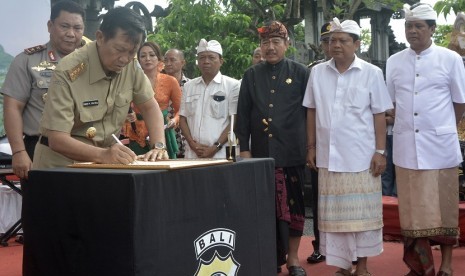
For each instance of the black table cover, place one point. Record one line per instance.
(199, 221)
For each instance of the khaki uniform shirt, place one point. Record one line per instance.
(27, 81)
(81, 96)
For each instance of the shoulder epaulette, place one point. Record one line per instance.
(85, 40)
(76, 71)
(35, 49)
(315, 63)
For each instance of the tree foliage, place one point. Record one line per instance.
(365, 38)
(446, 7)
(232, 22)
(346, 9)
(442, 35)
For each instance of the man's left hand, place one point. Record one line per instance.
(153, 155)
(206, 151)
(378, 164)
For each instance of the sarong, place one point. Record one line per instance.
(350, 216)
(349, 201)
(428, 212)
(290, 209)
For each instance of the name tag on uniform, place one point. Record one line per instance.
(47, 74)
(218, 98)
(90, 103)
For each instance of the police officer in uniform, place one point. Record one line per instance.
(324, 39)
(89, 98)
(28, 78)
(316, 257)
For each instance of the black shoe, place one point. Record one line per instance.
(296, 271)
(19, 239)
(315, 258)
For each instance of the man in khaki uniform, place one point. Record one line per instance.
(89, 97)
(28, 78)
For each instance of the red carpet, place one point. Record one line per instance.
(389, 263)
(11, 259)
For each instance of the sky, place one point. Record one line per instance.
(31, 29)
(23, 28)
(28, 27)
(396, 24)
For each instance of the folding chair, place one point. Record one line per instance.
(6, 170)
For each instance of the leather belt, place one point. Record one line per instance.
(43, 140)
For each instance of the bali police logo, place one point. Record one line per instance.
(220, 261)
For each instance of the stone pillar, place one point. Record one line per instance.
(313, 16)
(379, 49)
(92, 23)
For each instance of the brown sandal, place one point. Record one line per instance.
(363, 274)
(442, 273)
(343, 272)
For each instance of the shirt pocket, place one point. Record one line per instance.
(122, 102)
(43, 81)
(357, 98)
(219, 105)
(442, 130)
(91, 114)
(191, 102)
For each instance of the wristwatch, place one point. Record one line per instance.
(382, 152)
(218, 145)
(159, 146)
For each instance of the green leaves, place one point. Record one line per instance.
(190, 21)
(442, 35)
(445, 7)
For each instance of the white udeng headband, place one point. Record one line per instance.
(212, 46)
(347, 26)
(421, 12)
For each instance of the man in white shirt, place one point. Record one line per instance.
(346, 99)
(207, 105)
(426, 83)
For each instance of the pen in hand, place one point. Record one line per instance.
(119, 142)
(116, 139)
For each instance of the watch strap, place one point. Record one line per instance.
(218, 145)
